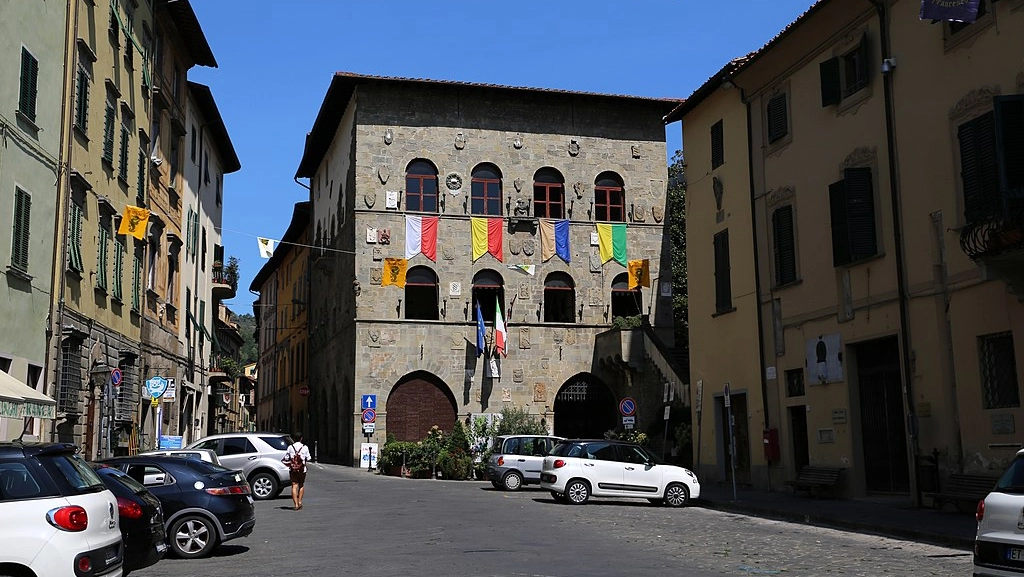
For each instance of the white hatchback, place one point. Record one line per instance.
(576, 470)
(58, 517)
(999, 545)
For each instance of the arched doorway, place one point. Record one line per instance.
(584, 408)
(417, 402)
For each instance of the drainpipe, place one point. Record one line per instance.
(881, 6)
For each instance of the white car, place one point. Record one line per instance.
(257, 455)
(202, 454)
(999, 545)
(576, 470)
(58, 518)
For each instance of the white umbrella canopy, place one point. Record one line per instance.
(18, 400)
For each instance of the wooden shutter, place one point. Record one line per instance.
(108, 132)
(101, 258)
(75, 238)
(119, 254)
(136, 282)
(978, 167)
(723, 282)
(22, 227)
(123, 156)
(82, 100)
(29, 85)
(778, 121)
(860, 213)
(717, 145)
(1009, 127)
(840, 232)
(785, 249)
(831, 89)
(140, 193)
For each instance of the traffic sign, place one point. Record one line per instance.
(628, 420)
(369, 415)
(369, 401)
(156, 387)
(368, 428)
(115, 377)
(627, 407)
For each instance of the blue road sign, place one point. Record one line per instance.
(369, 401)
(369, 415)
(115, 377)
(156, 387)
(627, 407)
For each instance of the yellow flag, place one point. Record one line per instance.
(639, 273)
(394, 272)
(479, 236)
(134, 222)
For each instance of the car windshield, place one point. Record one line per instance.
(1012, 480)
(204, 467)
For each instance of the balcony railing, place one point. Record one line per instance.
(225, 282)
(998, 234)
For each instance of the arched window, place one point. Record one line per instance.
(421, 186)
(609, 198)
(421, 294)
(559, 298)
(486, 190)
(488, 290)
(625, 302)
(548, 194)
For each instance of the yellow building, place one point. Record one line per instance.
(887, 215)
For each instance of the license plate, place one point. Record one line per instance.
(161, 547)
(111, 555)
(1015, 554)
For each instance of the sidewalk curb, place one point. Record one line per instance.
(834, 523)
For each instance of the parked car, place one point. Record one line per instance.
(141, 519)
(999, 545)
(204, 504)
(257, 455)
(516, 460)
(56, 516)
(579, 469)
(201, 454)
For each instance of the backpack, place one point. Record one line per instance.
(295, 463)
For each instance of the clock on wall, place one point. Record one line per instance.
(453, 181)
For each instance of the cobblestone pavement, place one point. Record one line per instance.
(359, 523)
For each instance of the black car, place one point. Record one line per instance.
(141, 518)
(204, 504)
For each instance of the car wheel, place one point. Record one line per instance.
(512, 481)
(192, 537)
(577, 492)
(264, 486)
(558, 497)
(677, 495)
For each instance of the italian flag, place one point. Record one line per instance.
(500, 334)
(421, 236)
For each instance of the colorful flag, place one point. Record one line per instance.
(639, 273)
(487, 236)
(500, 334)
(480, 330)
(266, 247)
(421, 236)
(956, 10)
(554, 239)
(611, 241)
(394, 272)
(529, 269)
(134, 222)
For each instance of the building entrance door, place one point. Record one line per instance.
(881, 406)
(584, 408)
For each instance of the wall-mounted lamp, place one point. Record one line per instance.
(398, 309)
(571, 203)
(444, 308)
(888, 65)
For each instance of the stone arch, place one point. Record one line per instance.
(418, 401)
(585, 407)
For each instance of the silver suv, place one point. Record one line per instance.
(516, 460)
(257, 455)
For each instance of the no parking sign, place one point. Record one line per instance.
(627, 407)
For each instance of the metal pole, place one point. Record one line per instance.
(732, 439)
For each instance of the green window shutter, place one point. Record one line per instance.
(979, 170)
(785, 249)
(778, 121)
(137, 283)
(860, 213)
(22, 226)
(195, 232)
(119, 253)
(123, 156)
(201, 320)
(82, 100)
(1009, 124)
(840, 230)
(108, 132)
(140, 192)
(29, 85)
(101, 258)
(831, 87)
(188, 234)
(75, 238)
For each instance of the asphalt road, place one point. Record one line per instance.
(357, 523)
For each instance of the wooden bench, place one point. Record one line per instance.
(813, 478)
(961, 488)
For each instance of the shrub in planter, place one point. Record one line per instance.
(455, 464)
(392, 454)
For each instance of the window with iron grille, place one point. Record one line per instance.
(548, 194)
(127, 397)
(717, 144)
(75, 238)
(29, 85)
(784, 245)
(998, 371)
(110, 116)
(609, 198)
(778, 118)
(795, 383)
(82, 99)
(21, 229)
(70, 376)
(723, 274)
(122, 171)
(421, 187)
(485, 196)
(120, 251)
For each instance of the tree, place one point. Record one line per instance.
(677, 240)
(247, 327)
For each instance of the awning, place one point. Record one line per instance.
(18, 400)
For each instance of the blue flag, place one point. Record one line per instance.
(562, 239)
(954, 10)
(480, 330)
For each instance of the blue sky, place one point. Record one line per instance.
(276, 60)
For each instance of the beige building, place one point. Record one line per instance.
(886, 215)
